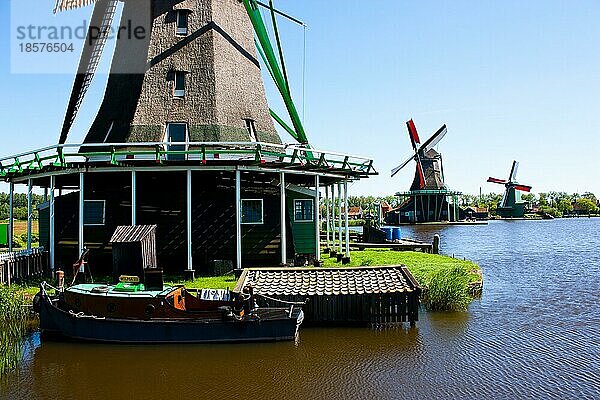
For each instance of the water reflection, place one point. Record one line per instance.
(533, 334)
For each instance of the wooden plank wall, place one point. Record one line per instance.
(386, 308)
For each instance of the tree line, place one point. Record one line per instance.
(554, 203)
(19, 204)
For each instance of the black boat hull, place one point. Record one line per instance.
(58, 322)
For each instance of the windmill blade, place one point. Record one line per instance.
(435, 139)
(102, 18)
(513, 172)
(414, 135)
(404, 164)
(496, 180)
(523, 188)
(421, 174)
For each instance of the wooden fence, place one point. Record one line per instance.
(22, 265)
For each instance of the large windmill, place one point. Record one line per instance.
(428, 198)
(511, 205)
(184, 139)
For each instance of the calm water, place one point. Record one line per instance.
(535, 333)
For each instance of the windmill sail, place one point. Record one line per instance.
(513, 172)
(435, 139)
(102, 18)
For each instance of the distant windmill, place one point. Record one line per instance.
(429, 199)
(429, 172)
(511, 205)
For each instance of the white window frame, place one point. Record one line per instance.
(168, 141)
(251, 128)
(262, 212)
(179, 93)
(312, 216)
(178, 30)
(103, 212)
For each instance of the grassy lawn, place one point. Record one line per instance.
(421, 265)
(218, 282)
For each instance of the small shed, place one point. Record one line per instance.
(360, 295)
(134, 249)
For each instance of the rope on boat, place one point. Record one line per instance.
(293, 303)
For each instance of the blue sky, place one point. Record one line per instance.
(511, 79)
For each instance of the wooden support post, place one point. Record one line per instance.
(29, 212)
(415, 216)
(11, 217)
(238, 219)
(51, 250)
(190, 261)
(317, 219)
(436, 244)
(81, 213)
(283, 212)
(133, 197)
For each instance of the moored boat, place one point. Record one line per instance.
(121, 314)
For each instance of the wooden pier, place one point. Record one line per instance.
(22, 265)
(401, 245)
(344, 296)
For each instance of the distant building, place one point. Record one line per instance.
(474, 213)
(355, 213)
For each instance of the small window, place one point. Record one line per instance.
(182, 23)
(94, 212)
(179, 84)
(251, 126)
(252, 212)
(304, 211)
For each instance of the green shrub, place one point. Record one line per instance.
(14, 318)
(447, 290)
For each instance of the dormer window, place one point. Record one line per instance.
(182, 23)
(179, 84)
(251, 127)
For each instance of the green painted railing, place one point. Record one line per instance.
(71, 155)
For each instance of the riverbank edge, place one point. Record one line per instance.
(422, 265)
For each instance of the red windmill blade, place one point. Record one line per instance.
(523, 188)
(496, 180)
(414, 135)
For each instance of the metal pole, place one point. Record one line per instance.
(346, 218)
(190, 263)
(29, 212)
(11, 217)
(318, 218)
(133, 198)
(52, 251)
(81, 211)
(283, 218)
(327, 215)
(238, 218)
(340, 216)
